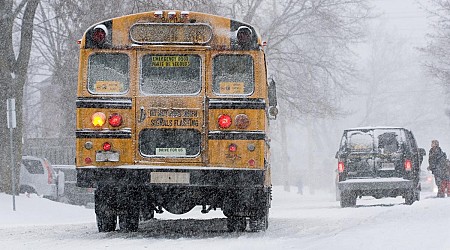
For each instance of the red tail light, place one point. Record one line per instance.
(341, 167)
(106, 146)
(251, 163)
(408, 165)
(224, 121)
(115, 120)
(49, 172)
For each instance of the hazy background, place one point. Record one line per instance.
(392, 90)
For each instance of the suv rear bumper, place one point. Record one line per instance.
(376, 184)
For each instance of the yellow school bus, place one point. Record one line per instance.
(172, 110)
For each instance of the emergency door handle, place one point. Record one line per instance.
(142, 115)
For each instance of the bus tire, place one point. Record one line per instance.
(104, 210)
(236, 224)
(129, 220)
(129, 209)
(260, 222)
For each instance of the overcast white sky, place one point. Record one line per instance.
(404, 16)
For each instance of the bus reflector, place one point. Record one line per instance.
(98, 119)
(251, 162)
(115, 120)
(88, 160)
(224, 121)
(408, 165)
(341, 167)
(106, 146)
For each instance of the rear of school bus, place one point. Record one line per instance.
(172, 112)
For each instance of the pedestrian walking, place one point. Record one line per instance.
(437, 160)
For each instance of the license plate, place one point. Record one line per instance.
(103, 156)
(387, 166)
(169, 178)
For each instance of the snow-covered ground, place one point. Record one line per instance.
(296, 222)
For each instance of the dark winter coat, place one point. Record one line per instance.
(438, 162)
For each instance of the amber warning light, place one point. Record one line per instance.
(98, 119)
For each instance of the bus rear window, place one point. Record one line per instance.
(233, 75)
(108, 73)
(171, 74)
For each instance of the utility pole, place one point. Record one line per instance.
(11, 119)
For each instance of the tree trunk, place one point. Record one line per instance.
(13, 75)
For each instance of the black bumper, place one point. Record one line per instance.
(376, 184)
(91, 177)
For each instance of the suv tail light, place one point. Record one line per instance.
(49, 172)
(341, 167)
(408, 165)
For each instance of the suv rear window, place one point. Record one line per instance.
(33, 166)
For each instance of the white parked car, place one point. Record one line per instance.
(37, 176)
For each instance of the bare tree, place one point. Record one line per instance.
(438, 62)
(15, 16)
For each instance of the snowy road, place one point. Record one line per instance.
(296, 222)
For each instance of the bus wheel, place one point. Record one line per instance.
(129, 220)
(104, 210)
(260, 222)
(236, 224)
(129, 211)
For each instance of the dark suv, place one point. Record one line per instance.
(379, 162)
